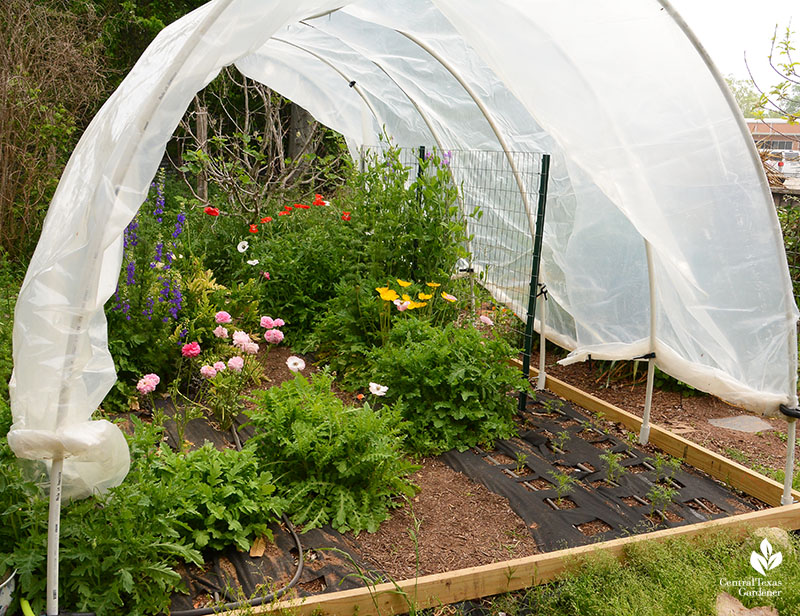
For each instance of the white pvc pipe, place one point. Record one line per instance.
(53, 531)
(489, 118)
(791, 440)
(644, 433)
(540, 382)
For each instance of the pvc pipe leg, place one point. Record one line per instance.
(540, 383)
(787, 499)
(53, 529)
(644, 433)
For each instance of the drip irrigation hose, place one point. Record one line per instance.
(205, 611)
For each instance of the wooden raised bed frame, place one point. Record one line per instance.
(476, 582)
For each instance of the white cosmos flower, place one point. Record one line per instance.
(242, 246)
(378, 390)
(252, 262)
(295, 363)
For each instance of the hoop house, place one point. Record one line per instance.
(661, 235)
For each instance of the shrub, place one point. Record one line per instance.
(452, 382)
(334, 464)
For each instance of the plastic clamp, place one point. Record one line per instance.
(790, 412)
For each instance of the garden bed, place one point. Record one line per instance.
(456, 521)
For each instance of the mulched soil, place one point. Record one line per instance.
(451, 524)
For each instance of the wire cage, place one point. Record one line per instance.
(501, 237)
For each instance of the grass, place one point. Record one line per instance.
(778, 474)
(679, 577)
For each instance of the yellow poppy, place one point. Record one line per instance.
(425, 295)
(388, 295)
(406, 298)
(417, 304)
(448, 297)
(433, 285)
(403, 283)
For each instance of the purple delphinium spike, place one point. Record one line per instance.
(179, 225)
(148, 311)
(130, 270)
(130, 238)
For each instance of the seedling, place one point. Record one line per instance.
(660, 496)
(560, 439)
(614, 469)
(521, 459)
(563, 482)
(665, 467)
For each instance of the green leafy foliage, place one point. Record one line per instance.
(229, 501)
(453, 384)
(120, 550)
(333, 463)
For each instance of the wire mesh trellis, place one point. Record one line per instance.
(500, 224)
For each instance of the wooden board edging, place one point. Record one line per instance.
(476, 582)
(734, 474)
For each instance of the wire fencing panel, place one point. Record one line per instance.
(500, 224)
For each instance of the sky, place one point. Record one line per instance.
(730, 28)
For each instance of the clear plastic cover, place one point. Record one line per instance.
(647, 149)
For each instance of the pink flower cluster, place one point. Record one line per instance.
(191, 349)
(148, 383)
(273, 335)
(242, 340)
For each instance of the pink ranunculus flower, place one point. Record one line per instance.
(190, 349)
(267, 322)
(240, 338)
(220, 332)
(148, 383)
(219, 366)
(236, 363)
(208, 372)
(251, 348)
(273, 336)
(223, 317)
(279, 322)
(486, 320)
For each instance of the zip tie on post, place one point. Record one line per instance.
(542, 290)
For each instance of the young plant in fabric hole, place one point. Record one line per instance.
(334, 464)
(453, 382)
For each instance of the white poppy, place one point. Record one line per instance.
(295, 363)
(378, 390)
(252, 262)
(242, 246)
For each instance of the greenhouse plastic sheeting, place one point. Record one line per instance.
(647, 146)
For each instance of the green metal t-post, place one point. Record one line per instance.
(537, 257)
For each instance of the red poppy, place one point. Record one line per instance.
(300, 206)
(360, 396)
(318, 200)
(253, 228)
(266, 219)
(211, 211)
(345, 215)
(289, 213)
(288, 208)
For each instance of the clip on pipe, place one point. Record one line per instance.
(793, 413)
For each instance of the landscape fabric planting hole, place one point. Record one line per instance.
(608, 507)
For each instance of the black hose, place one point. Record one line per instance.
(205, 611)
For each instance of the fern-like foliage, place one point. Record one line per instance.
(334, 464)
